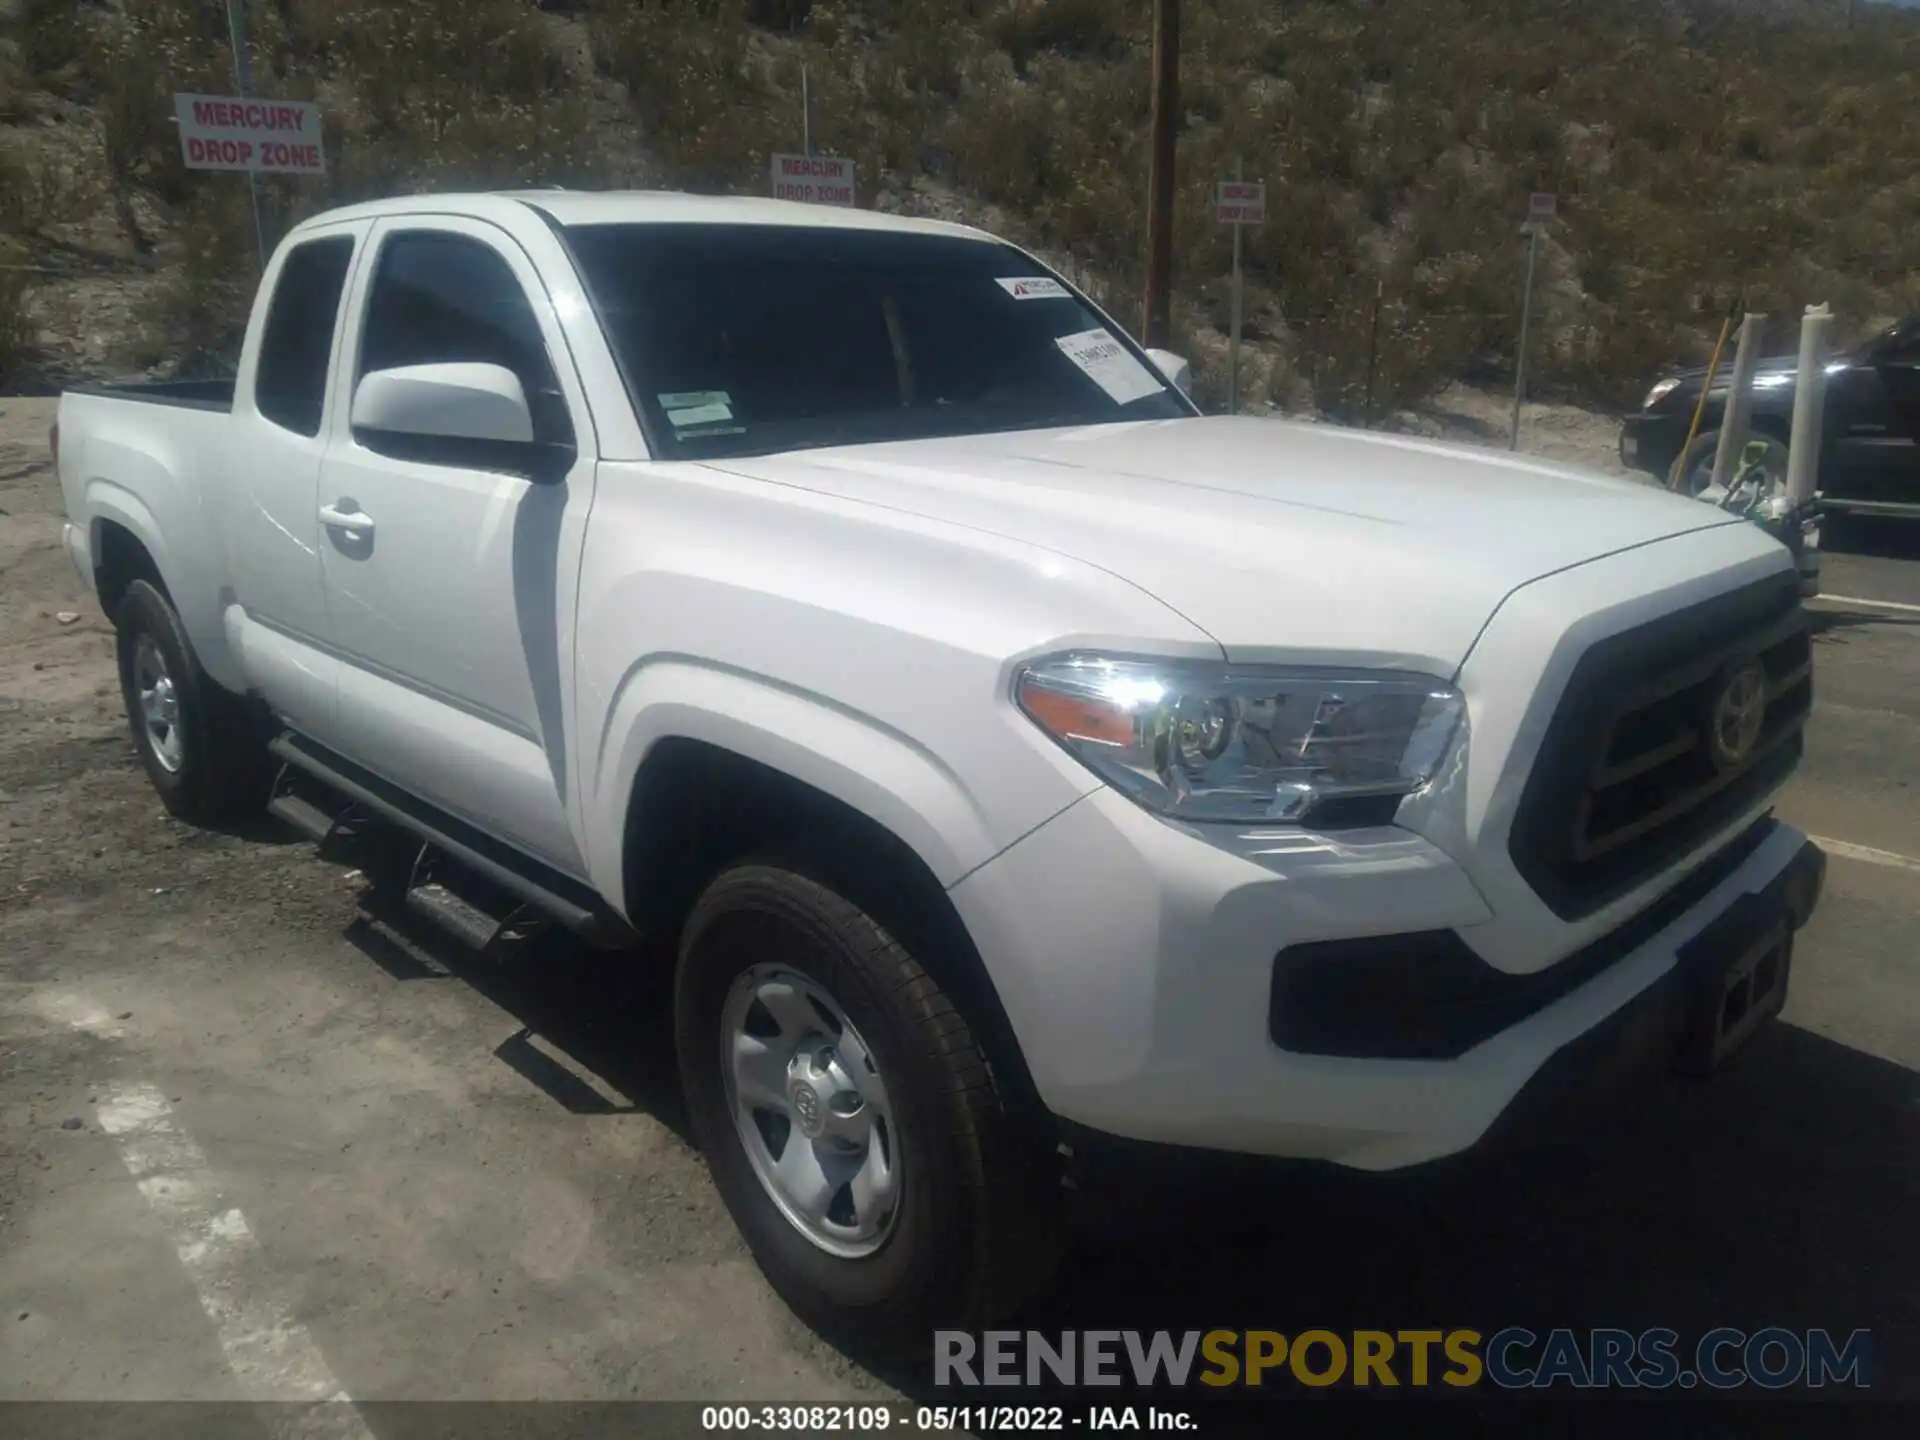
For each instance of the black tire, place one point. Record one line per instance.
(1696, 471)
(220, 768)
(1699, 453)
(976, 1229)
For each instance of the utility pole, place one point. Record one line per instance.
(1157, 309)
(1526, 320)
(243, 81)
(1233, 335)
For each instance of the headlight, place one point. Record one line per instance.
(1217, 742)
(1658, 393)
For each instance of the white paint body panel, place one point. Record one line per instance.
(513, 650)
(1134, 960)
(1284, 542)
(471, 402)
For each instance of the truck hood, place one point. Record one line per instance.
(1281, 541)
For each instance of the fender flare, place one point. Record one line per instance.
(200, 614)
(849, 756)
(108, 501)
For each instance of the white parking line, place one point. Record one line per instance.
(1870, 604)
(79, 1013)
(270, 1353)
(1848, 850)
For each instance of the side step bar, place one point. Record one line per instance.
(302, 814)
(316, 814)
(539, 899)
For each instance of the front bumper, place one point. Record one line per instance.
(1135, 960)
(1645, 1036)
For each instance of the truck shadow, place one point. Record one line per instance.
(597, 1030)
(1779, 1194)
(1833, 624)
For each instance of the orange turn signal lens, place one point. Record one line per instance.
(1074, 717)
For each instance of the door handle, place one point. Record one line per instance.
(347, 516)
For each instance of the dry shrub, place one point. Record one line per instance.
(676, 62)
(202, 317)
(445, 94)
(52, 35)
(137, 58)
(39, 191)
(16, 328)
(1698, 148)
(1088, 29)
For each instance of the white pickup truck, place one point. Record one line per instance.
(1018, 760)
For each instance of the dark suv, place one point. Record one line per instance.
(1870, 451)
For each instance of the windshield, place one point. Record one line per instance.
(748, 339)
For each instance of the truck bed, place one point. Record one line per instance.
(216, 395)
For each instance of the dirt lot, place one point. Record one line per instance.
(411, 1175)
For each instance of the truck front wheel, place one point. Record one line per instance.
(195, 741)
(849, 1118)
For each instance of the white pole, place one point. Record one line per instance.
(1733, 417)
(1809, 406)
(1233, 337)
(243, 80)
(1526, 318)
(806, 114)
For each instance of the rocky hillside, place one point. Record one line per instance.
(1699, 148)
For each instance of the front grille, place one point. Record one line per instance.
(1643, 761)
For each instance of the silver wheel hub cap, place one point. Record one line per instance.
(811, 1110)
(159, 705)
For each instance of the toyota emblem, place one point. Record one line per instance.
(807, 1110)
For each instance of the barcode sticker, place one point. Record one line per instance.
(1109, 365)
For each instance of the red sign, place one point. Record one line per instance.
(223, 132)
(1240, 202)
(814, 179)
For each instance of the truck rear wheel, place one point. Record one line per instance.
(849, 1118)
(196, 742)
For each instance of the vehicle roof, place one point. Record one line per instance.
(649, 207)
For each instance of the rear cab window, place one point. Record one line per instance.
(296, 346)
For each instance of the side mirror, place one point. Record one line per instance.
(470, 415)
(444, 402)
(1177, 372)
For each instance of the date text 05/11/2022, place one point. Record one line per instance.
(966, 1419)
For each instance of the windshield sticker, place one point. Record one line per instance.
(709, 409)
(1109, 366)
(691, 399)
(1034, 287)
